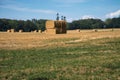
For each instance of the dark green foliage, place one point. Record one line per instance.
(4, 24)
(26, 26)
(86, 24)
(20, 26)
(113, 23)
(40, 24)
(29, 26)
(94, 24)
(35, 24)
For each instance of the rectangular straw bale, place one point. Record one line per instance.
(12, 30)
(50, 31)
(60, 27)
(20, 31)
(39, 31)
(50, 24)
(8, 31)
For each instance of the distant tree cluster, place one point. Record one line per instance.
(26, 26)
(113, 23)
(94, 24)
(34, 24)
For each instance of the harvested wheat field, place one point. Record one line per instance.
(32, 40)
(84, 55)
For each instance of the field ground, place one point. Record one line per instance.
(84, 55)
(32, 40)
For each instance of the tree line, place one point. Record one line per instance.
(94, 24)
(26, 26)
(34, 24)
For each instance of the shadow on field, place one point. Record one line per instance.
(40, 78)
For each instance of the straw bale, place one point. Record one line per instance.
(35, 31)
(78, 30)
(50, 31)
(96, 30)
(8, 31)
(50, 24)
(39, 31)
(20, 31)
(12, 30)
(44, 31)
(60, 27)
(56, 27)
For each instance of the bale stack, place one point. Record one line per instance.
(50, 27)
(60, 27)
(56, 27)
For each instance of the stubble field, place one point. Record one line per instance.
(32, 40)
(84, 55)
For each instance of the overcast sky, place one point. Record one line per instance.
(47, 9)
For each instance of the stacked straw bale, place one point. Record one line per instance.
(60, 27)
(56, 27)
(51, 31)
(50, 24)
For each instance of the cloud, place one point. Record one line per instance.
(70, 19)
(68, 3)
(87, 17)
(113, 14)
(13, 7)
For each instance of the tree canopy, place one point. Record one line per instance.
(34, 24)
(86, 24)
(113, 23)
(26, 26)
(94, 24)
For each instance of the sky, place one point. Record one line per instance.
(47, 9)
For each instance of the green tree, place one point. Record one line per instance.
(13, 24)
(40, 24)
(29, 26)
(113, 23)
(86, 24)
(20, 26)
(4, 24)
